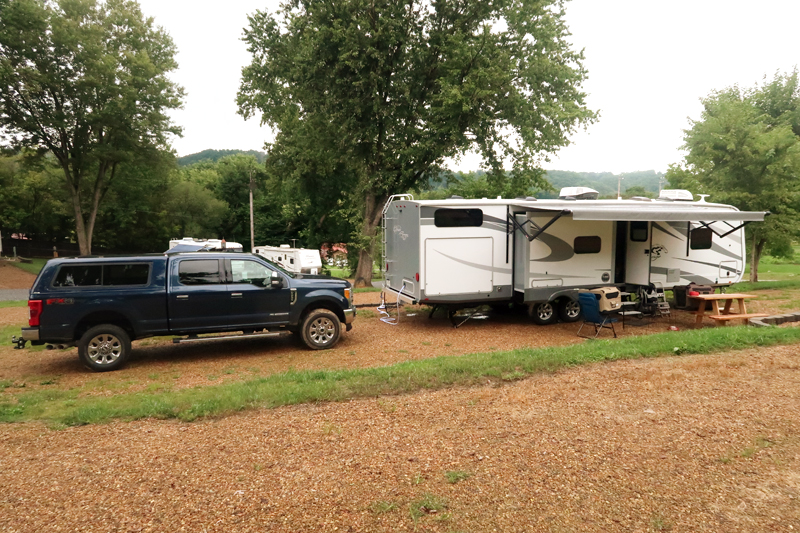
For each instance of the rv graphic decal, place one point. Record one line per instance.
(402, 234)
(475, 265)
(657, 251)
(560, 250)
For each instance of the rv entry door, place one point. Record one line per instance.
(637, 263)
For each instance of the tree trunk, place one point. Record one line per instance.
(373, 208)
(755, 257)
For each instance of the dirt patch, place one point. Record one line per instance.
(12, 277)
(698, 443)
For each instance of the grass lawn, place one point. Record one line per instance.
(33, 267)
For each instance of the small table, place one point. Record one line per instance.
(722, 316)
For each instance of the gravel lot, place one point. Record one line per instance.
(696, 443)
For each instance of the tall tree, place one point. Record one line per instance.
(86, 80)
(375, 95)
(745, 151)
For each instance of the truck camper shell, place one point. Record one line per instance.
(492, 251)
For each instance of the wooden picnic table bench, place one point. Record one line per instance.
(724, 315)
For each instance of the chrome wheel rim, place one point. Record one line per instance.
(322, 331)
(573, 309)
(104, 349)
(544, 311)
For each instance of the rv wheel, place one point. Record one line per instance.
(543, 313)
(569, 310)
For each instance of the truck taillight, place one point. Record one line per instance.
(34, 312)
(417, 276)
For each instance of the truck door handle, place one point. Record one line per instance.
(236, 295)
(183, 297)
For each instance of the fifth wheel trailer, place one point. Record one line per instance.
(460, 252)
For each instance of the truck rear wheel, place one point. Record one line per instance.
(321, 329)
(104, 347)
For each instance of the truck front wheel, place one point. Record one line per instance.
(104, 347)
(321, 329)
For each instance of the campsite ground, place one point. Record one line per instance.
(694, 443)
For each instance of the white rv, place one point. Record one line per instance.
(207, 244)
(299, 260)
(459, 252)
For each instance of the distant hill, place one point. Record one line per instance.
(216, 155)
(603, 182)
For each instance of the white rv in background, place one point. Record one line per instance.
(459, 252)
(298, 260)
(208, 244)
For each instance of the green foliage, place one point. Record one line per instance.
(369, 99)
(86, 81)
(216, 155)
(745, 151)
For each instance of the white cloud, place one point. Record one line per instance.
(649, 64)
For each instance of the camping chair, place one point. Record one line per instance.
(592, 315)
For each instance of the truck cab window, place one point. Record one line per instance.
(250, 272)
(199, 272)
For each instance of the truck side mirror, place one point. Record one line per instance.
(276, 281)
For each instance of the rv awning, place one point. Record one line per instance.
(653, 213)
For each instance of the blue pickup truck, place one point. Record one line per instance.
(101, 304)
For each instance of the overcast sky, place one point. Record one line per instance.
(649, 64)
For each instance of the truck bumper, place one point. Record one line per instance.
(349, 315)
(30, 334)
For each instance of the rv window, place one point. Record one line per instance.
(199, 272)
(701, 239)
(587, 245)
(458, 218)
(638, 231)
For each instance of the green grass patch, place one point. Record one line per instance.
(34, 267)
(367, 289)
(747, 286)
(13, 303)
(295, 387)
(454, 476)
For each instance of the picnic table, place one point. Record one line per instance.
(722, 316)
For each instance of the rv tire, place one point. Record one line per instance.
(569, 310)
(543, 313)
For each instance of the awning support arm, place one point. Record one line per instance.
(540, 230)
(722, 235)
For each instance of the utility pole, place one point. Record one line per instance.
(619, 182)
(252, 240)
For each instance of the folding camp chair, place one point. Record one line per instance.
(592, 315)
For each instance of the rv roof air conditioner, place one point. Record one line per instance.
(578, 193)
(676, 194)
(455, 197)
